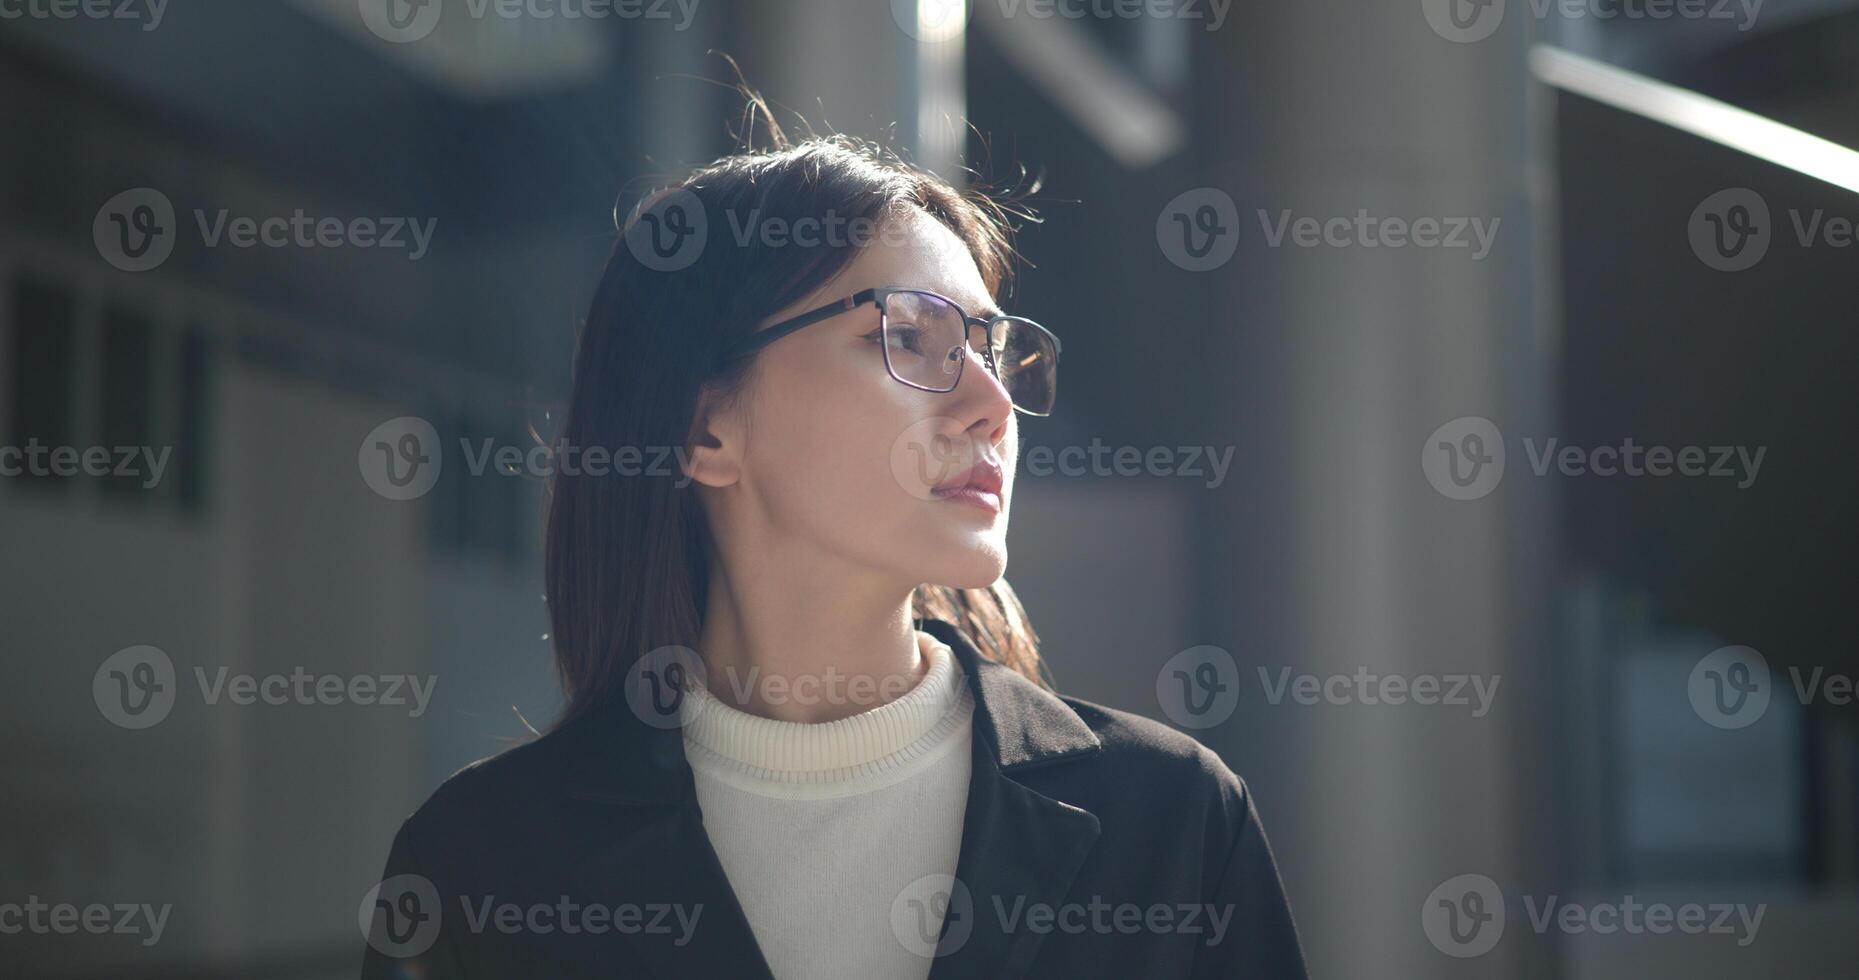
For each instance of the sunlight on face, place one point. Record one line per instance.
(845, 459)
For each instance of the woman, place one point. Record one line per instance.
(806, 733)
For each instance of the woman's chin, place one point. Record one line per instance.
(975, 568)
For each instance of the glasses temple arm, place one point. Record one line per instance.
(762, 338)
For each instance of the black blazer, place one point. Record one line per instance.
(1095, 843)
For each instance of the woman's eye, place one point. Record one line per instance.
(906, 338)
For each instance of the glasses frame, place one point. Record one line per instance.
(877, 295)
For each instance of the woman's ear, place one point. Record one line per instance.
(714, 447)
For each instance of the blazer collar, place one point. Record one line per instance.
(622, 758)
(1018, 845)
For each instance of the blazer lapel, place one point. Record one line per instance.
(660, 853)
(1020, 849)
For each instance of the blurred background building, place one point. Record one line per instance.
(1615, 299)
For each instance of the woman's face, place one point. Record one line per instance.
(830, 457)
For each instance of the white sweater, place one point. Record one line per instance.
(821, 828)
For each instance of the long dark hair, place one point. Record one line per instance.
(625, 558)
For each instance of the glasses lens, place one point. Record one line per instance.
(925, 340)
(1027, 361)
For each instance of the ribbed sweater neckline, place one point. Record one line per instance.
(870, 741)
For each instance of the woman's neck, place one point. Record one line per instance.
(796, 648)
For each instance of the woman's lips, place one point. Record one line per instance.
(973, 496)
(978, 486)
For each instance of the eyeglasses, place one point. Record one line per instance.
(925, 338)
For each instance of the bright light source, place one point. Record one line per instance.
(1721, 123)
(941, 20)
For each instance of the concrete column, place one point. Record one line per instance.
(1337, 553)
